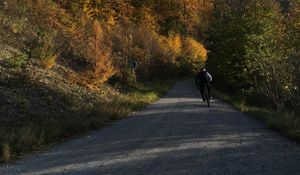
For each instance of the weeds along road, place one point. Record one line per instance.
(176, 135)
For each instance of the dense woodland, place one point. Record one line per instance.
(251, 47)
(255, 52)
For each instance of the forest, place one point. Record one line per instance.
(251, 48)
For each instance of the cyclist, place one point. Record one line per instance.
(203, 80)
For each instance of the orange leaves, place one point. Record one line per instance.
(98, 34)
(99, 57)
(146, 16)
(194, 49)
(49, 62)
(102, 69)
(193, 56)
(175, 44)
(97, 38)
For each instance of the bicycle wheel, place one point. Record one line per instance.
(206, 96)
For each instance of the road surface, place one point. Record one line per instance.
(176, 135)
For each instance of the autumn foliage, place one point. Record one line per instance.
(82, 53)
(98, 38)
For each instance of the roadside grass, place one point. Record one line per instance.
(17, 140)
(286, 124)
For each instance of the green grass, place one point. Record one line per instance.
(287, 124)
(17, 140)
(16, 61)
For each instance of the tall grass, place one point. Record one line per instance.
(285, 123)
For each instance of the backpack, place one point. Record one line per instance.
(203, 78)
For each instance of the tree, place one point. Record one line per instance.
(226, 59)
(247, 48)
(292, 41)
(265, 52)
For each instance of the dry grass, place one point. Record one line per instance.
(34, 133)
(286, 124)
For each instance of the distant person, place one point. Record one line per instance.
(133, 67)
(203, 80)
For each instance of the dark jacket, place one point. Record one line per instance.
(203, 78)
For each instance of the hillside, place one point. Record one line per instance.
(65, 64)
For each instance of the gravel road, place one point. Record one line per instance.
(176, 135)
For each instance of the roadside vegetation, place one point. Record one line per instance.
(254, 57)
(67, 66)
(285, 123)
(65, 117)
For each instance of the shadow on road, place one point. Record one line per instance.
(176, 135)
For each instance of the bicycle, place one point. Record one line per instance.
(206, 96)
(205, 93)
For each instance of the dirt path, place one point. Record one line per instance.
(175, 135)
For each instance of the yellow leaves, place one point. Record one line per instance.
(71, 29)
(111, 21)
(195, 49)
(98, 30)
(193, 56)
(97, 54)
(14, 28)
(49, 62)
(92, 32)
(103, 68)
(148, 18)
(85, 8)
(186, 47)
(175, 44)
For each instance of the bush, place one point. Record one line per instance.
(17, 61)
(150, 50)
(93, 49)
(44, 50)
(193, 56)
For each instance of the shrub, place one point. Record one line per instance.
(193, 56)
(175, 44)
(44, 51)
(17, 61)
(91, 54)
(157, 54)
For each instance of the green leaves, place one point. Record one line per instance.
(17, 61)
(250, 50)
